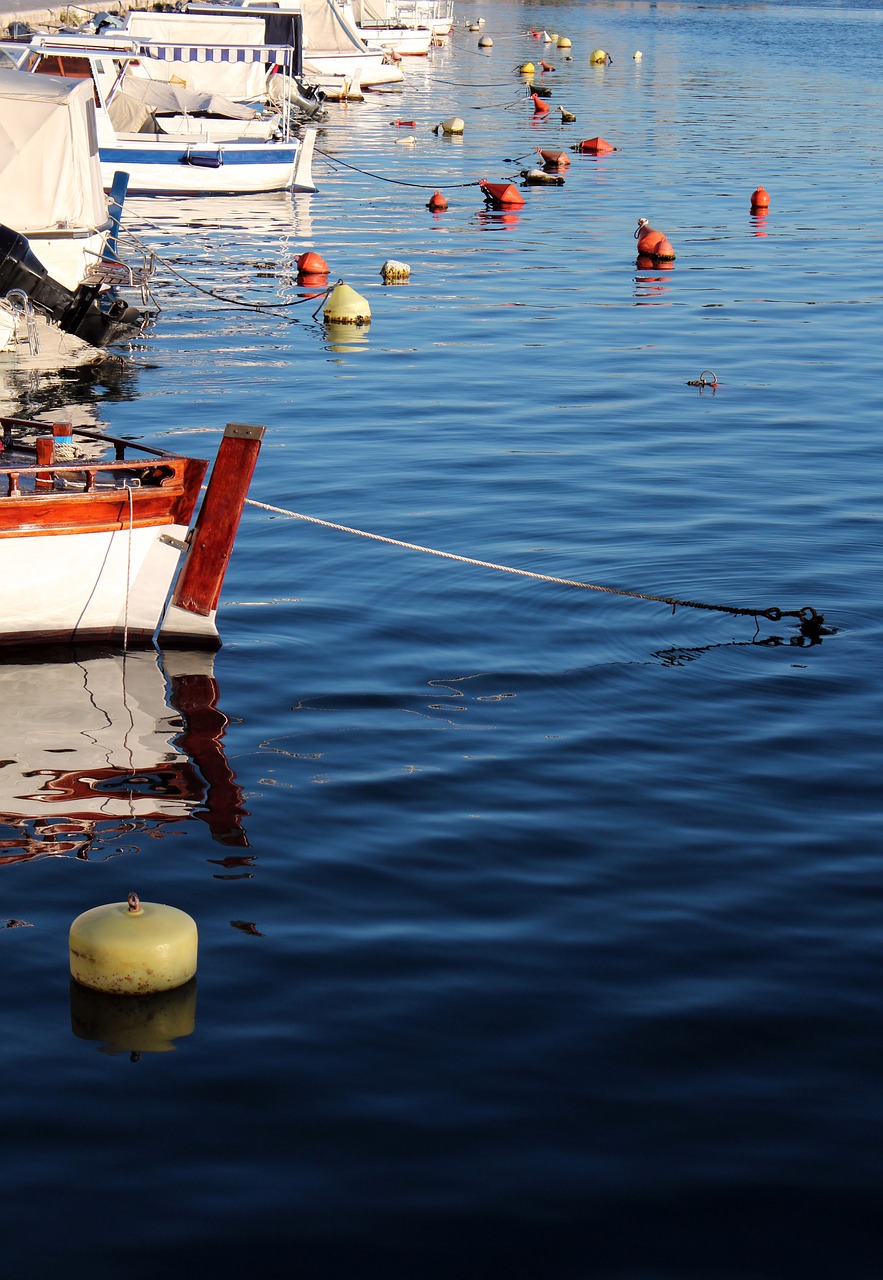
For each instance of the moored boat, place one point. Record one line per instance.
(96, 531)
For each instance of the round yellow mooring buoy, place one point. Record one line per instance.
(563, 42)
(598, 57)
(344, 306)
(527, 68)
(485, 43)
(133, 947)
(453, 124)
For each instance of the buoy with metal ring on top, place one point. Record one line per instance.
(453, 124)
(133, 948)
(501, 194)
(653, 244)
(344, 306)
(760, 199)
(437, 202)
(540, 108)
(594, 146)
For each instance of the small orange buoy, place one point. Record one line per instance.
(437, 202)
(404, 124)
(311, 264)
(501, 194)
(653, 244)
(540, 108)
(553, 159)
(760, 199)
(594, 146)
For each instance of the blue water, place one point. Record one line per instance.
(555, 943)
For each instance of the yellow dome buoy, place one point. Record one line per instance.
(453, 124)
(139, 1024)
(395, 272)
(344, 306)
(133, 948)
(598, 57)
(485, 43)
(527, 68)
(563, 42)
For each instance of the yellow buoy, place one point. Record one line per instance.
(394, 272)
(485, 43)
(453, 124)
(344, 306)
(597, 57)
(139, 1024)
(527, 68)
(637, 55)
(563, 42)
(133, 948)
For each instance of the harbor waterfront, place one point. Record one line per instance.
(539, 926)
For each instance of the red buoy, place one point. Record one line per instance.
(502, 194)
(404, 124)
(594, 146)
(653, 244)
(546, 66)
(540, 108)
(760, 199)
(311, 264)
(553, 159)
(437, 202)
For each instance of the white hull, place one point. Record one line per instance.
(406, 41)
(165, 166)
(366, 69)
(68, 586)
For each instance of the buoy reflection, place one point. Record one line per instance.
(651, 284)
(133, 1025)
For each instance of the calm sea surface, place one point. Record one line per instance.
(540, 929)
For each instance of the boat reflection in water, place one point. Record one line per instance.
(98, 750)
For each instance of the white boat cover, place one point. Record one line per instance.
(50, 176)
(326, 30)
(235, 78)
(174, 99)
(374, 12)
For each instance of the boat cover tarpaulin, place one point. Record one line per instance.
(326, 30)
(243, 77)
(374, 12)
(50, 176)
(174, 99)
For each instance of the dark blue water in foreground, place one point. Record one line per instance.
(539, 928)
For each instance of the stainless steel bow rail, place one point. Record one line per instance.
(808, 617)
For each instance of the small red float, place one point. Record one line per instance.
(594, 146)
(502, 194)
(653, 244)
(540, 108)
(311, 264)
(437, 202)
(760, 199)
(553, 159)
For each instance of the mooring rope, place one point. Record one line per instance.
(381, 177)
(806, 615)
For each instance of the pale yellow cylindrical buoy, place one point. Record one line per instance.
(637, 55)
(394, 271)
(133, 948)
(344, 306)
(485, 43)
(453, 124)
(563, 42)
(597, 57)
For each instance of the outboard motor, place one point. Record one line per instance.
(76, 312)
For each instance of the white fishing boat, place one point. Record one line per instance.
(438, 15)
(131, 136)
(377, 20)
(95, 532)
